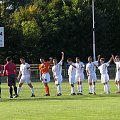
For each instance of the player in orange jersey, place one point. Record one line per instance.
(44, 68)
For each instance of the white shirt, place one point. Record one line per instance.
(90, 67)
(103, 68)
(79, 68)
(25, 69)
(71, 70)
(56, 69)
(117, 66)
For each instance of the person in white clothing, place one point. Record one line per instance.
(79, 76)
(91, 73)
(24, 76)
(56, 69)
(116, 60)
(71, 74)
(104, 74)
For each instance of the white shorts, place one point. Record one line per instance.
(46, 78)
(58, 79)
(117, 77)
(72, 79)
(104, 78)
(92, 78)
(25, 79)
(79, 77)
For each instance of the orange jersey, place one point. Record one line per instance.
(44, 67)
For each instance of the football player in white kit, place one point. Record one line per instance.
(79, 76)
(56, 69)
(104, 74)
(24, 76)
(91, 73)
(116, 60)
(71, 74)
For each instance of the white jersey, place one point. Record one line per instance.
(117, 67)
(91, 67)
(25, 69)
(56, 69)
(71, 71)
(117, 77)
(103, 68)
(79, 68)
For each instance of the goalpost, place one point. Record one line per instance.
(1, 45)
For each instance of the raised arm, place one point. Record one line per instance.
(113, 58)
(62, 56)
(98, 58)
(110, 60)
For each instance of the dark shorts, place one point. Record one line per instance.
(11, 79)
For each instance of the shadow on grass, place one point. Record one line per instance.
(64, 97)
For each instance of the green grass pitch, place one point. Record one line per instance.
(65, 107)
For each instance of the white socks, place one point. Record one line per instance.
(72, 90)
(118, 87)
(79, 87)
(90, 88)
(59, 89)
(32, 90)
(18, 90)
(106, 88)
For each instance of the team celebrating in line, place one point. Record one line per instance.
(75, 73)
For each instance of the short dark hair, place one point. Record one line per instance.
(77, 57)
(117, 56)
(8, 59)
(69, 59)
(103, 59)
(22, 58)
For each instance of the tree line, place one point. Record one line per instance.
(44, 28)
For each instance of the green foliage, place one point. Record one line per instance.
(46, 27)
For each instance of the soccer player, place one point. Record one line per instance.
(24, 76)
(56, 69)
(116, 60)
(71, 74)
(10, 72)
(104, 74)
(79, 76)
(91, 73)
(44, 68)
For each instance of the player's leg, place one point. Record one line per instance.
(90, 84)
(32, 89)
(94, 88)
(105, 91)
(107, 83)
(11, 91)
(72, 89)
(19, 88)
(79, 87)
(118, 85)
(58, 89)
(72, 82)
(14, 84)
(108, 87)
(94, 78)
(46, 80)
(10, 83)
(78, 84)
(46, 89)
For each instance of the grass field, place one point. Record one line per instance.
(65, 107)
